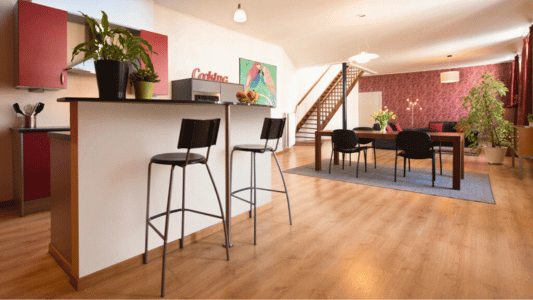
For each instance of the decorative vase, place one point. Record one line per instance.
(383, 126)
(495, 155)
(112, 78)
(143, 89)
(531, 124)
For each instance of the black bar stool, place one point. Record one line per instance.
(272, 130)
(193, 134)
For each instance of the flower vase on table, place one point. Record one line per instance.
(382, 117)
(383, 126)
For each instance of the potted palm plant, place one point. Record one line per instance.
(485, 123)
(113, 50)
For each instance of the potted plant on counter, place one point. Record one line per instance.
(485, 123)
(113, 49)
(530, 119)
(143, 81)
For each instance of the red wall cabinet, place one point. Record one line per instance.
(159, 44)
(41, 46)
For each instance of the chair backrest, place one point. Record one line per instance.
(272, 129)
(363, 141)
(198, 133)
(414, 141)
(344, 139)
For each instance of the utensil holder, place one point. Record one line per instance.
(30, 121)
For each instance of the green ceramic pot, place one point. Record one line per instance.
(143, 89)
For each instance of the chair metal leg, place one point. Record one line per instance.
(166, 233)
(440, 157)
(285, 185)
(343, 161)
(365, 158)
(395, 165)
(409, 165)
(404, 165)
(251, 167)
(255, 204)
(145, 258)
(350, 159)
(221, 211)
(375, 159)
(357, 169)
(330, 160)
(183, 210)
(433, 170)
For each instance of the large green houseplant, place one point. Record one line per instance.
(113, 49)
(485, 123)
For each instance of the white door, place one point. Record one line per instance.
(368, 103)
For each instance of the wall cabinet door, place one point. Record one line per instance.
(41, 46)
(159, 44)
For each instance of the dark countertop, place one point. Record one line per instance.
(40, 129)
(158, 101)
(63, 135)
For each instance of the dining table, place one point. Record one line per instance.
(456, 138)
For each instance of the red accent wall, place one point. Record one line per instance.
(439, 101)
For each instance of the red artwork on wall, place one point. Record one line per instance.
(441, 101)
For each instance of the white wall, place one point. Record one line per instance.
(138, 14)
(194, 43)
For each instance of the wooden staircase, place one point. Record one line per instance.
(323, 110)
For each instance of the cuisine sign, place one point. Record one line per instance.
(209, 76)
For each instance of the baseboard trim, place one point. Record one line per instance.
(65, 265)
(136, 261)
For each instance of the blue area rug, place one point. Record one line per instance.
(475, 187)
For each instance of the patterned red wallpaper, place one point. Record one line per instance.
(439, 101)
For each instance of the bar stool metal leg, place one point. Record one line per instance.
(165, 239)
(145, 258)
(285, 185)
(255, 202)
(251, 176)
(183, 210)
(221, 211)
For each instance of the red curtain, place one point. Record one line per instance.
(515, 80)
(526, 87)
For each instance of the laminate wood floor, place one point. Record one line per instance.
(347, 241)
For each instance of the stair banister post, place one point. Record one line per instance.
(344, 110)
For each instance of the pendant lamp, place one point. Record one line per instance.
(449, 76)
(240, 15)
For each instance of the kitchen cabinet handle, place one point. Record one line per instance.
(62, 78)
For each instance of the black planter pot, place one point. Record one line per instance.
(112, 78)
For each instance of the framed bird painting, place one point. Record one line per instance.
(260, 77)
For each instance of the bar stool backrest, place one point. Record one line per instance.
(344, 139)
(198, 133)
(272, 130)
(414, 141)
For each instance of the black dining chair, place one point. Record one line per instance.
(272, 130)
(346, 141)
(415, 145)
(194, 134)
(434, 144)
(364, 141)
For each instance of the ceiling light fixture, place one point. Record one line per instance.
(240, 15)
(449, 76)
(363, 57)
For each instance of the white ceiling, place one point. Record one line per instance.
(408, 35)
